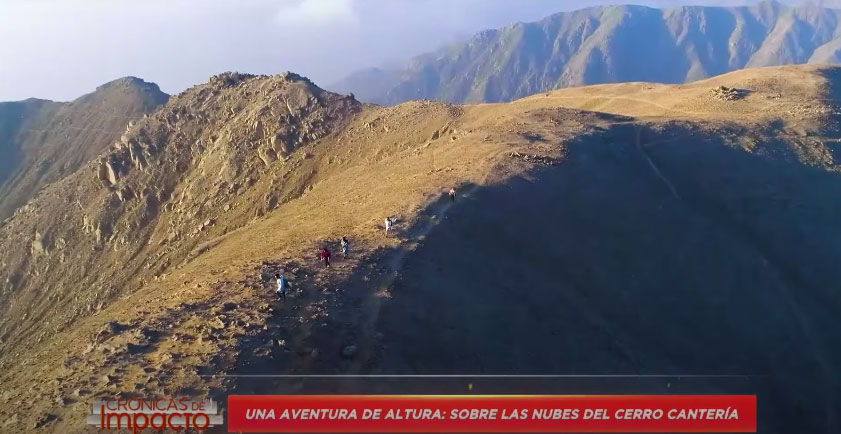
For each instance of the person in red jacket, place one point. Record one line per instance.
(325, 256)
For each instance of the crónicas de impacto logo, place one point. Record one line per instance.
(136, 414)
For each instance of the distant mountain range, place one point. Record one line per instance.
(608, 44)
(42, 141)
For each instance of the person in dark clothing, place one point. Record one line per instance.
(325, 256)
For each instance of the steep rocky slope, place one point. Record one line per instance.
(609, 44)
(678, 230)
(196, 169)
(43, 141)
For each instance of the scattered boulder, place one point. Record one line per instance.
(137, 348)
(113, 328)
(108, 172)
(220, 322)
(40, 245)
(267, 155)
(63, 400)
(150, 334)
(535, 159)
(125, 194)
(725, 93)
(350, 351)
(44, 419)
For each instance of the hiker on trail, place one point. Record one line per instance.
(325, 256)
(345, 246)
(452, 194)
(388, 224)
(282, 286)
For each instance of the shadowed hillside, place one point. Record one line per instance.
(719, 263)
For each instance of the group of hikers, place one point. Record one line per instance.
(324, 254)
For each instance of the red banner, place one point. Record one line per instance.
(491, 413)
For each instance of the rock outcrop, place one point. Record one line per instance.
(43, 141)
(230, 144)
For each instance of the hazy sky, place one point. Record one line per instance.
(60, 49)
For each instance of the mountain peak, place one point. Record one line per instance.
(129, 82)
(606, 44)
(229, 78)
(67, 134)
(234, 78)
(292, 77)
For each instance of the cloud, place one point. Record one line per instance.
(61, 49)
(317, 13)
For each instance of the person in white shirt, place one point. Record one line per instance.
(388, 224)
(345, 246)
(282, 286)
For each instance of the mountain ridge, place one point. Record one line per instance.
(710, 207)
(42, 141)
(608, 44)
(111, 206)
